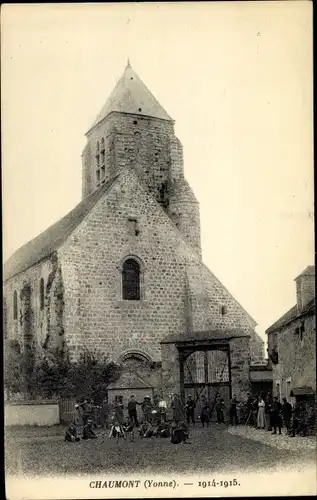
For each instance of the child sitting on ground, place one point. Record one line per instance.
(146, 430)
(116, 431)
(179, 434)
(71, 434)
(128, 429)
(163, 430)
(88, 433)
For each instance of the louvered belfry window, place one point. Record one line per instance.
(131, 280)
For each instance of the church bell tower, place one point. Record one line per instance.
(133, 129)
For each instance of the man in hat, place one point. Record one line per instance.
(147, 408)
(190, 410)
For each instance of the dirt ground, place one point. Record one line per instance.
(42, 451)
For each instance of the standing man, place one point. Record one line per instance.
(220, 406)
(176, 405)
(162, 409)
(276, 420)
(204, 412)
(268, 410)
(233, 411)
(118, 410)
(190, 410)
(287, 413)
(147, 408)
(132, 411)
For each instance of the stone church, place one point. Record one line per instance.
(123, 272)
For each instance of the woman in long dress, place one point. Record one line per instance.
(261, 414)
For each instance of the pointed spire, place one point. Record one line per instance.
(130, 95)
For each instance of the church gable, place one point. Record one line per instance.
(127, 225)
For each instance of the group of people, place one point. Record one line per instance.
(84, 422)
(267, 412)
(153, 423)
(206, 409)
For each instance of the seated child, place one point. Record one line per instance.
(88, 433)
(71, 434)
(116, 431)
(146, 430)
(179, 434)
(128, 429)
(163, 430)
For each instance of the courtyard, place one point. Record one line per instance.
(42, 452)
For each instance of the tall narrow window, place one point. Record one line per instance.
(102, 151)
(131, 280)
(15, 305)
(133, 227)
(42, 294)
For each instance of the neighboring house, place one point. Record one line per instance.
(292, 343)
(123, 270)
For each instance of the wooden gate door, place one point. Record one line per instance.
(207, 373)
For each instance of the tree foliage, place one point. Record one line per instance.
(50, 373)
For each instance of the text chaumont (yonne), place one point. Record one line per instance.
(135, 483)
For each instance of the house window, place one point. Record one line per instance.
(131, 280)
(15, 305)
(42, 294)
(132, 227)
(98, 177)
(223, 310)
(118, 399)
(102, 151)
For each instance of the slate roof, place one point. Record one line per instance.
(130, 95)
(174, 338)
(129, 381)
(290, 316)
(53, 237)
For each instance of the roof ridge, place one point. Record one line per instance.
(49, 240)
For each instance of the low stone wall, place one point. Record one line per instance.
(42, 413)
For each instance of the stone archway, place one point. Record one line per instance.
(139, 364)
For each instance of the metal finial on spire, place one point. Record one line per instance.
(128, 63)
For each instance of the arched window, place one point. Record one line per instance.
(131, 280)
(15, 305)
(42, 294)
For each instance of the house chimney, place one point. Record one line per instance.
(305, 287)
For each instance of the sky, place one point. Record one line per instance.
(237, 79)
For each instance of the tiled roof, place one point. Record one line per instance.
(290, 316)
(130, 95)
(53, 237)
(174, 338)
(129, 381)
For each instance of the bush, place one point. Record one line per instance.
(50, 373)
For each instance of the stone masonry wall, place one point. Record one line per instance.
(240, 367)
(149, 146)
(95, 314)
(297, 356)
(43, 324)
